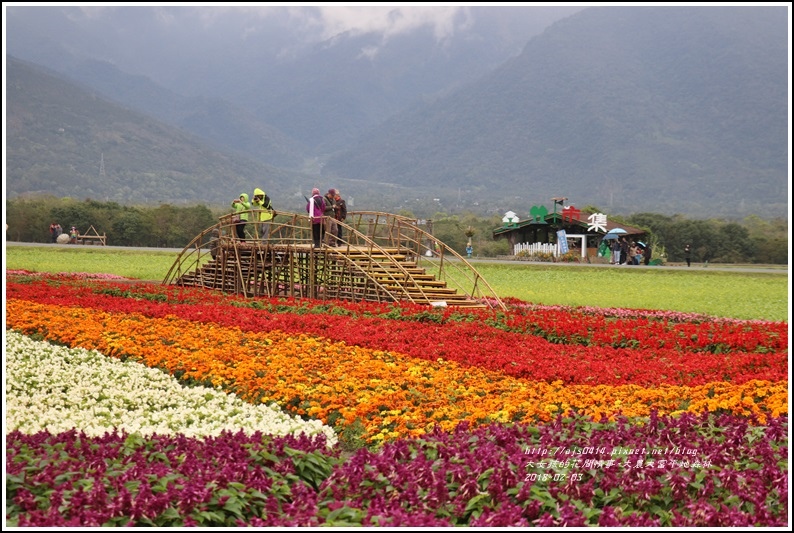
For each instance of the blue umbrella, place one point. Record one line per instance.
(617, 230)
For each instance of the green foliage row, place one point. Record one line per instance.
(754, 240)
(165, 226)
(716, 293)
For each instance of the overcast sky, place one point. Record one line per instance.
(155, 40)
(321, 21)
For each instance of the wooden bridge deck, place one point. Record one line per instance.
(383, 258)
(302, 271)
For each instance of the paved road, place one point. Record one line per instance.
(781, 269)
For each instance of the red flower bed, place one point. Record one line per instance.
(657, 352)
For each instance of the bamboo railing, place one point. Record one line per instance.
(381, 257)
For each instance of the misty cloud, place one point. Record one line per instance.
(388, 21)
(323, 22)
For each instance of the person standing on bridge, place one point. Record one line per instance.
(330, 217)
(315, 206)
(340, 213)
(263, 213)
(241, 206)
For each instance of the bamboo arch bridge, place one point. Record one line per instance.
(382, 258)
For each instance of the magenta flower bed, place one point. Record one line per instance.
(689, 471)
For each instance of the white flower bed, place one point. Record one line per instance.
(56, 389)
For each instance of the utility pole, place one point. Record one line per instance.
(102, 165)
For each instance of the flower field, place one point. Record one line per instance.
(142, 405)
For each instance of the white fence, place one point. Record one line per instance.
(532, 248)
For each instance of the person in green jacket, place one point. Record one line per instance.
(263, 213)
(241, 206)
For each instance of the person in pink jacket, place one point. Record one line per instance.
(315, 207)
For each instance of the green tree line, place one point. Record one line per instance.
(165, 226)
(751, 240)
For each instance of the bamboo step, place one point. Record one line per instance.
(425, 284)
(394, 276)
(399, 274)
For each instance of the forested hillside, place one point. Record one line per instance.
(659, 109)
(674, 110)
(67, 141)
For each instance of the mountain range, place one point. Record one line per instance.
(632, 109)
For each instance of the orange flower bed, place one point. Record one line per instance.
(393, 395)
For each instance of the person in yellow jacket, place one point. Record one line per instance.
(263, 213)
(241, 206)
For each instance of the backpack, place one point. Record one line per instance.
(316, 208)
(341, 212)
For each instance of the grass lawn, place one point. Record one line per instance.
(718, 293)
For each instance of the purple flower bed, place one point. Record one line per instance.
(709, 470)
